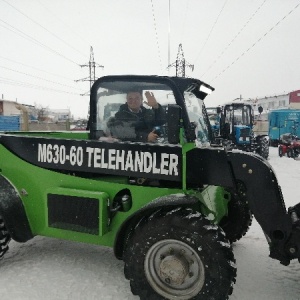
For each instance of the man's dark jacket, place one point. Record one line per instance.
(130, 126)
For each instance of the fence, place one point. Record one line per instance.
(9, 123)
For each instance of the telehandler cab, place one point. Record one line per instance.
(170, 210)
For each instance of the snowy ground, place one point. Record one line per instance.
(51, 269)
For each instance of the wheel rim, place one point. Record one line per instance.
(174, 270)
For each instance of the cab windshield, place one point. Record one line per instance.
(238, 114)
(112, 97)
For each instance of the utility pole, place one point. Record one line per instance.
(92, 68)
(180, 63)
(169, 35)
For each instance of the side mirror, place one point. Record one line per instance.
(173, 123)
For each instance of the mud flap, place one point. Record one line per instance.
(13, 212)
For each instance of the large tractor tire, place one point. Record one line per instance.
(238, 221)
(4, 238)
(179, 255)
(263, 147)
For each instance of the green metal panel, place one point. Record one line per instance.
(77, 135)
(34, 183)
(215, 200)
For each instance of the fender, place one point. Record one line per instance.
(166, 202)
(13, 212)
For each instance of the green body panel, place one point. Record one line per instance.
(33, 183)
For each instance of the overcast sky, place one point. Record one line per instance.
(244, 48)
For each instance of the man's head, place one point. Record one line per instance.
(134, 100)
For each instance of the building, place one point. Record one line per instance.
(289, 100)
(286, 101)
(10, 116)
(60, 115)
(15, 116)
(9, 108)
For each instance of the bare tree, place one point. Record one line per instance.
(42, 113)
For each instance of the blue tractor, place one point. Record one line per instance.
(236, 129)
(213, 114)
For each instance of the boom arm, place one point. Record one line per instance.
(259, 187)
(267, 203)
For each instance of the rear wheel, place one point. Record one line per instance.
(4, 238)
(290, 152)
(263, 144)
(179, 255)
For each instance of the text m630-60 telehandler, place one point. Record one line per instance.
(170, 209)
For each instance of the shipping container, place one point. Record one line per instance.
(283, 121)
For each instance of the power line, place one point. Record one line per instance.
(65, 24)
(28, 37)
(211, 30)
(224, 70)
(63, 41)
(37, 77)
(184, 20)
(29, 85)
(156, 35)
(38, 69)
(230, 43)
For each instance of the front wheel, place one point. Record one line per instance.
(179, 255)
(280, 151)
